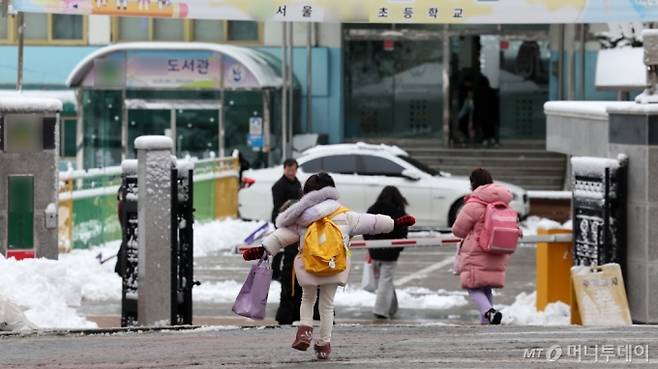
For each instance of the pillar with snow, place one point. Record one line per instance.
(154, 234)
(28, 176)
(608, 129)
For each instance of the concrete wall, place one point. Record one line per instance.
(607, 129)
(578, 128)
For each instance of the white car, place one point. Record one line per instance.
(361, 171)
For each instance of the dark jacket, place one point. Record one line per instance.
(284, 190)
(389, 254)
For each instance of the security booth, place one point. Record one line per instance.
(203, 96)
(28, 176)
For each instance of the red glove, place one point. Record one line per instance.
(253, 253)
(405, 221)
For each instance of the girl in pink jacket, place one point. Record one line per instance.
(479, 271)
(320, 200)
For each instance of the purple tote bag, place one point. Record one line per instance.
(252, 299)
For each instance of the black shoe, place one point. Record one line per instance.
(493, 316)
(377, 316)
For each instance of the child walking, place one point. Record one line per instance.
(480, 271)
(320, 200)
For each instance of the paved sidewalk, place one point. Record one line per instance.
(355, 346)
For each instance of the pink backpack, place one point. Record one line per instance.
(500, 234)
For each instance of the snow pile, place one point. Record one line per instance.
(46, 290)
(550, 195)
(593, 166)
(98, 282)
(411, 297)
(153, 143)
(524, 312)
(12, 317)
(222, 235)
(532, 223)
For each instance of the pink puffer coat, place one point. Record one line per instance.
(314, 205)
(477, 268)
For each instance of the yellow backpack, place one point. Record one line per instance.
(325, 252)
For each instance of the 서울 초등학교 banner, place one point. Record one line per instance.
(369, 11)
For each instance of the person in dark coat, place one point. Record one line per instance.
(390, 202)
(286, 188)
(120, 266)
(291, 291)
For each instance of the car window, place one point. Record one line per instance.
(378, 166)
(312, 166)
(343, 164)
(419, 165)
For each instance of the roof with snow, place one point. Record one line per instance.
(259, 64)
(67, 97)
(351, 147)
(20, 103)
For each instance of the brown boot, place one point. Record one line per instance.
(323, 351)
(303, 338)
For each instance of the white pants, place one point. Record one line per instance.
(386, 303)
(325, 305)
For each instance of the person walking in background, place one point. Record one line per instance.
(389, 202)
(319, 210)
(480, 271)
(286, 188)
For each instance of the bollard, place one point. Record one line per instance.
(554, 262)
(154, 233)
(128, 253)
(182, 243)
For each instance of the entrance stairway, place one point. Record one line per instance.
(524, 163)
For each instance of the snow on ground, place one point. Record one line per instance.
(46, 290)
(49, 290)
(532, 223)
(350, 296)
(524, 312)
(222, 235)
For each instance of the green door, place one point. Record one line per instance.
(21, 212)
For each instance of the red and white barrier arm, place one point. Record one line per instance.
(406, 242)
(445, 240)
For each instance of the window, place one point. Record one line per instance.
(36, 26)
(68, 129)
(168, 30)
(378, 166)
(243, 31)
(4, 29)
(63, 29)
(158, 29)
(342, 164)
(132, 29)
(419, 165)
(312, 166)
(208, 30)
(67, 27)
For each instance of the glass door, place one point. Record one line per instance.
(499, 84)
(146, 122)
(393, 88)
(197, 133)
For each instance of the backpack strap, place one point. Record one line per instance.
(337, 212)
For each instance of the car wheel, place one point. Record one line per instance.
(454, 210)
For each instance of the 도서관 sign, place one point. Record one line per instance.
(373, 11)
